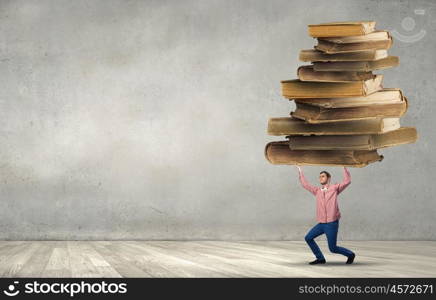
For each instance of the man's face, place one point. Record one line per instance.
(323, 179)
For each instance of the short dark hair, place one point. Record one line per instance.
(327, 173)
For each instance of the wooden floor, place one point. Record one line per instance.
(212, 259)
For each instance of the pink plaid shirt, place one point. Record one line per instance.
(327, 209)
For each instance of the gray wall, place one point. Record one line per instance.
(147, 120)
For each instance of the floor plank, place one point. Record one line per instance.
(212, 259)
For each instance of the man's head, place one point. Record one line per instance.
(324, 177)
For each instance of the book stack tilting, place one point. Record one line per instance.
(343, 113)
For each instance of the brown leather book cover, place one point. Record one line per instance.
(377, 35)
(403, 135)
(334, 48)
(311, 55)
(294, 126)
(317, 114)
(384, 96)
(357, 66)
(307, 73)
(293, 89)
(348, 28)
(279, 153)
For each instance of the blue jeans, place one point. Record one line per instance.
(331, 231)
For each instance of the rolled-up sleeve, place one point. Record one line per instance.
(345, 182)
(307, 185)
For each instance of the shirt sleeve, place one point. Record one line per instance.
(306, 184)
(345, 182)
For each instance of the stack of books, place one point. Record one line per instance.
(343, 113)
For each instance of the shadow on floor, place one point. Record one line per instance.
(336, 263)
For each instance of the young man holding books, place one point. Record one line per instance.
(327, 213)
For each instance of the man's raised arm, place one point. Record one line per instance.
(346, 181)
(305, 183)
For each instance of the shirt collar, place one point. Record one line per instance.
(324, 187)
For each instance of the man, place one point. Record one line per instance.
(327, 213)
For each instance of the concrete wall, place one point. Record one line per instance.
(147, 120)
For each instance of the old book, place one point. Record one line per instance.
(334, 48)
(341, 28)
(317, 114)
(293, 89)
(279, 153)
(357, 66)
(403, 135)
(311, 55)
(384, 96)
(378, 35)
(294, 126)
(307, 73)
